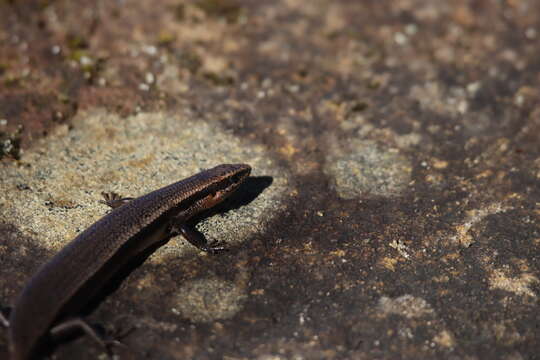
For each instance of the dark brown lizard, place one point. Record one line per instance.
(54, 296)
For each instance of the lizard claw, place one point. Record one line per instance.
(215, 247)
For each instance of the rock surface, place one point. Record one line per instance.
(398, 141)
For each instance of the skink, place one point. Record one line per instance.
(63, 286)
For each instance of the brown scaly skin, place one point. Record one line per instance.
(63, 286)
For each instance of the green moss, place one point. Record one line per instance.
(359, 106)
(11, 80)
(180, 12)
(218, 79)
(373, 84)
(10, 144)
(76, 55)
(3, 68)
(63, 98)
(190, 61)
(75, 42)
(165, 39)
(230, 10)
